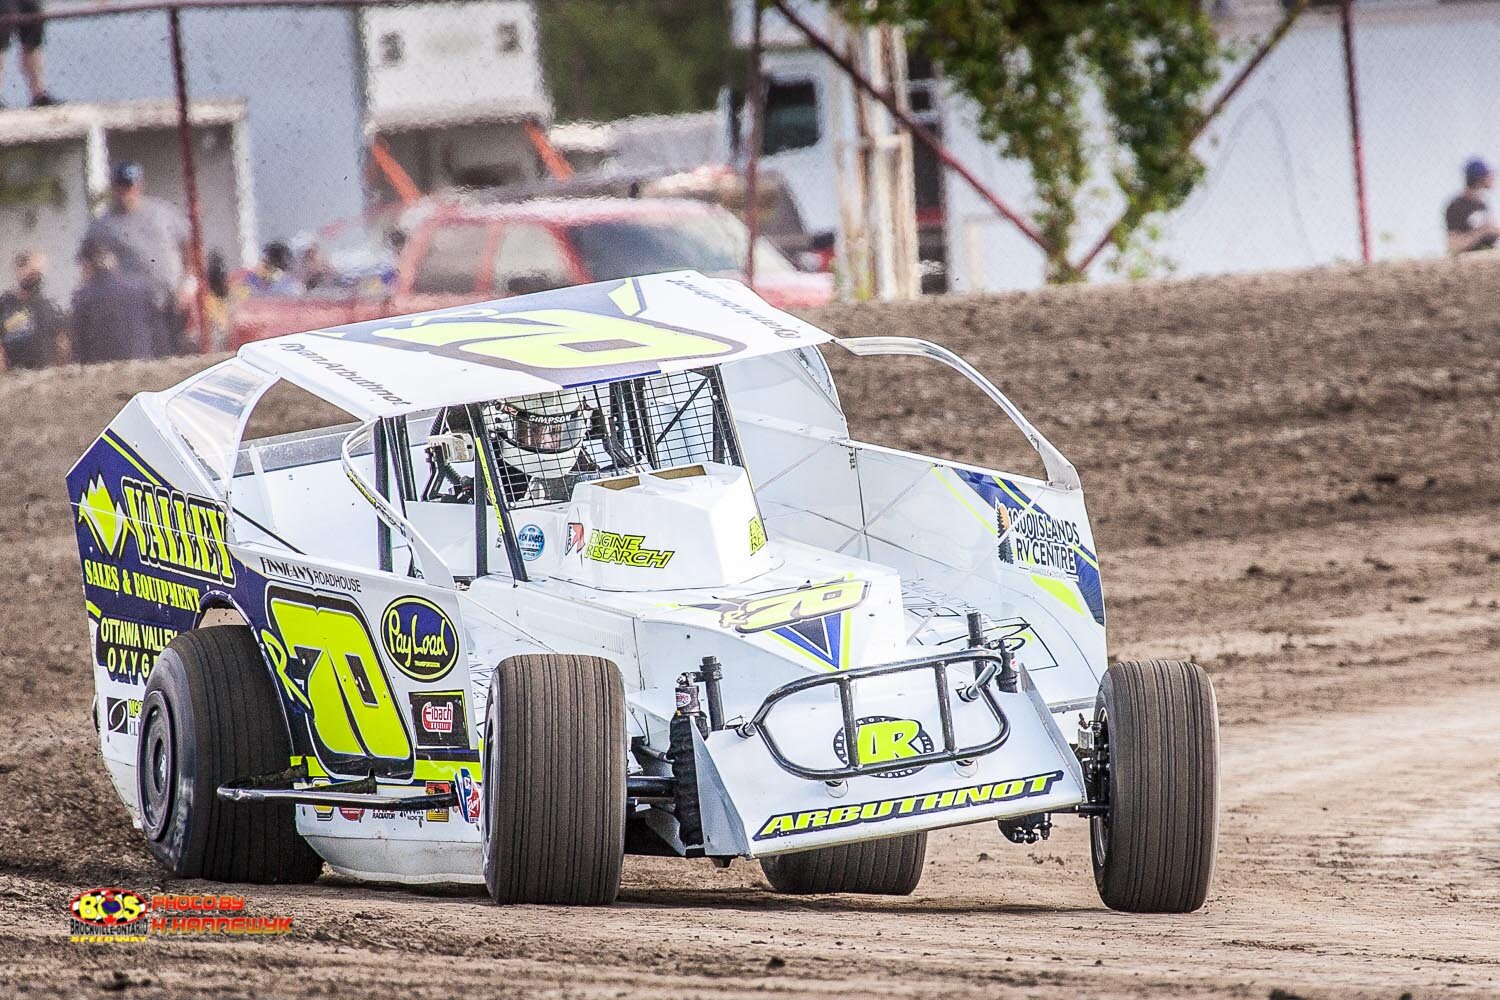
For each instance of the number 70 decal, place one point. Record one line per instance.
(326, 662)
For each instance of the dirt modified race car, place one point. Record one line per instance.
(600, 571)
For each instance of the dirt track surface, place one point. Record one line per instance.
(1294, 479)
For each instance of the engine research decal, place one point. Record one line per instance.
(625, 550)
(881, 810)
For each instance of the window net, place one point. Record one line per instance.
(548, 444)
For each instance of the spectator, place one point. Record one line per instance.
(115, 312)
(31, 327)
(272, 274)
(30, 37)
(1470, 225)
(148, 238)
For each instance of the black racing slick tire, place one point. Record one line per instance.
(211, 714)
(553, 799)
(1154, 846)
(890, 867)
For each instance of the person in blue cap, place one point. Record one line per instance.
(148, 238)
(1470, 225)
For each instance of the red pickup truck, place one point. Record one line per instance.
(460, 254)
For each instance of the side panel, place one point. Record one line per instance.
(1014, 548)
(153, 545)
(372, 668)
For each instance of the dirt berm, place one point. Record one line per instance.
(1293, 478)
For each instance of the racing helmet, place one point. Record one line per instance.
(541, 435)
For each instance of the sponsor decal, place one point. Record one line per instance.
(438, 788)
(134, 583)
(810, 619)
(468, 794)
(757, 534)
(884, 738)
(1038, 541)
(575, 539)
(419, 638)
(310, 575)
(761, 612)
(531, 541)
(625, 550)
(344, 372)
(172, 530)
(884, 810)
(122, 715)
(1034, 540)
(440, 720)
(338, 687)
(352, 814)
(128, 649)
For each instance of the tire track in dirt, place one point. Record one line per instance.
(1294, 478)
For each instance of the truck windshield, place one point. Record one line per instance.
(712, 244)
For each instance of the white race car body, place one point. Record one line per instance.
(755, 532)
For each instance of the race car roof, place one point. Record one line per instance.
(532, 343)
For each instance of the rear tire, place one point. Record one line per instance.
(890, 867)
(1154, 847)
(211, 714)
(553, 815)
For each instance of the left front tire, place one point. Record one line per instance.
(211, 714)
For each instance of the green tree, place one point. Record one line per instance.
(1028, 64)
(608, 59)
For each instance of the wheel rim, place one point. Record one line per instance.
(1099, 823)
(488, 786)
(156, 768)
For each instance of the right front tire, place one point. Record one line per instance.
(1159, 775)
(890, 867)
(553, 797)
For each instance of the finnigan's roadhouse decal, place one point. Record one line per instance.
(419, 638)
(882, 810)
(882, 739)
(309, 575)
(1032, 539)
(625, 550)
(172, 530)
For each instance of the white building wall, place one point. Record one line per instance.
(1279, 187)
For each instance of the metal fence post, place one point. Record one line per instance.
(190, 180)
(1346, 29)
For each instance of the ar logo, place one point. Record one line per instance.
(881, 739)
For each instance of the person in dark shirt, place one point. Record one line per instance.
(115, 313)
(32, 330)
(1470, 225)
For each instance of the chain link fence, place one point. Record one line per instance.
(319, 163)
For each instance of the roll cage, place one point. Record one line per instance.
(646, 423)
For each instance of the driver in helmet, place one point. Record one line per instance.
(539, 440)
